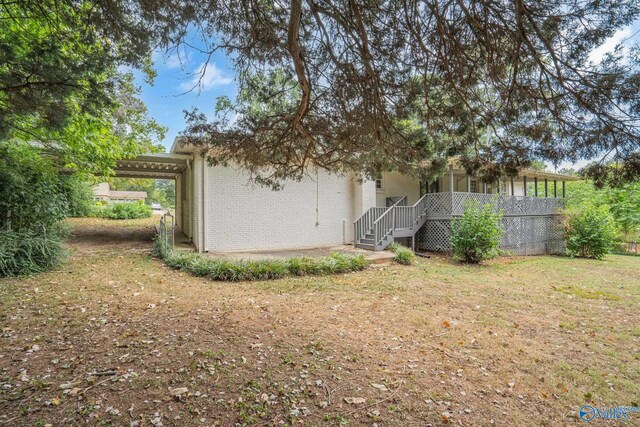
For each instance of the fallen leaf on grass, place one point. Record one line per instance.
(177, 393)
(380, 387)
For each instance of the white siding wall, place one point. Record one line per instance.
(397, 184)
(244, 216)
(364, 195)
(518, 188)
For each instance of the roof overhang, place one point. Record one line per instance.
(179, 148)
(529, 173)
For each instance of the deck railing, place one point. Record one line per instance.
(401, 220)
(509, 205)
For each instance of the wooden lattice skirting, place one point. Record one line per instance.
(524, 235)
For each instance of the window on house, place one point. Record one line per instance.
(379, 183)
(474, 186)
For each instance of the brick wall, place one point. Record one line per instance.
(240, 215)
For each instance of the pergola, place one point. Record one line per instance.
(153, 166)
(164, 166)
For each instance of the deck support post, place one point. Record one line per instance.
(564, 194)
(535, 185)
(525, 185)
(468, 183)
(555, 189)
(546, 187)
(451, 180)
(484, 187)
(513, 190)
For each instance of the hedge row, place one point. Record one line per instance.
(233, 271)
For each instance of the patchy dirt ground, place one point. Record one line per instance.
(115, 338)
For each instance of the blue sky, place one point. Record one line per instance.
(174, 89)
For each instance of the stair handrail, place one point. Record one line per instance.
(385, 223)
(420, 208)
(359, 225)
(388, 220)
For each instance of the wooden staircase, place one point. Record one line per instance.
(379, 227)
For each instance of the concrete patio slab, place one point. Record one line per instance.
(283, 254)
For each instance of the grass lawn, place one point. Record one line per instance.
(114, 337)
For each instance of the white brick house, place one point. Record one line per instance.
(220, 209)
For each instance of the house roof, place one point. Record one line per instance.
(127, 194)
(103, 190)
(177, 148)
(529, 173)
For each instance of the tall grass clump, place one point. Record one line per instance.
(244, 270)
(403, 255)
(28, 251)
(477, 234)
(32, 207)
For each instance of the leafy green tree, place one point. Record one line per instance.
(517, 80)
(79, 195)
(622, 202)
(60, 81)
(30, 191)
(158, 191)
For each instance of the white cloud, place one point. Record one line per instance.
(206, 77)
(173, 59)
(610, 44)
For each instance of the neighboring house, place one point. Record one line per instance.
(220, 209)
(103, 193)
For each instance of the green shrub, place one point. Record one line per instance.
(79, 196)
(404, 255)
(590, 233)
(476, 235)
(130, 210)
(243, 270)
